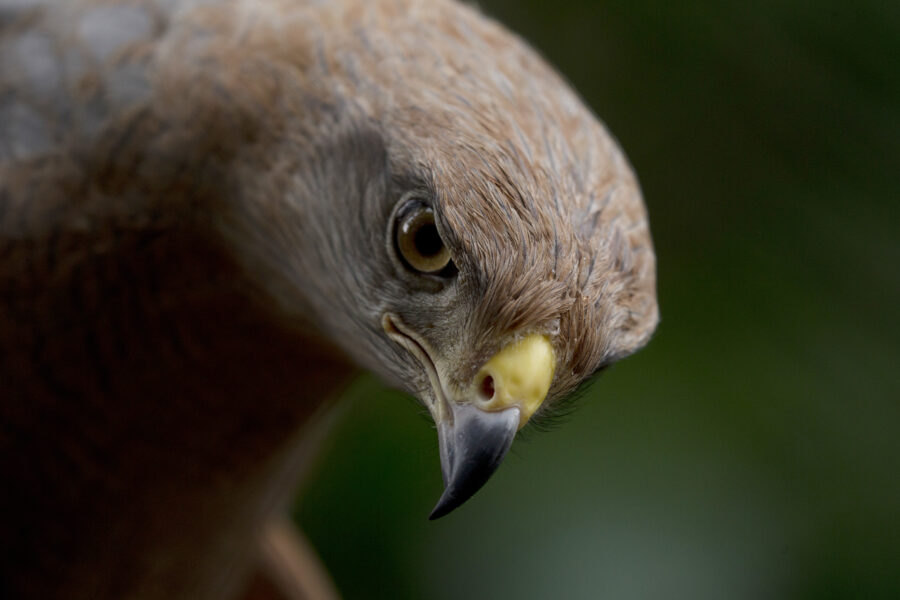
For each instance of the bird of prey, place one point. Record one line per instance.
(213, 212)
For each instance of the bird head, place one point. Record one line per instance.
(442, 206)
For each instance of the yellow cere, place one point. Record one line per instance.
(521, 373)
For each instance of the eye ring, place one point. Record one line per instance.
(418, 242)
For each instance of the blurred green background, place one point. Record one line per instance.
(753, 449)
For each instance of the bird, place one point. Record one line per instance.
(215, 213)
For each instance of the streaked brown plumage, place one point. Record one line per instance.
(194, 199)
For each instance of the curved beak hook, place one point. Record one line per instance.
(472, 446)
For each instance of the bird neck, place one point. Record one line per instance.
(152, 398)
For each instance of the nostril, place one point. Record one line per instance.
(487, 388)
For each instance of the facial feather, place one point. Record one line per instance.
(538, 205)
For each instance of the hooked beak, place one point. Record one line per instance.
(476, 430)
(472, 446)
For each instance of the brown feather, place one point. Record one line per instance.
(194, 202)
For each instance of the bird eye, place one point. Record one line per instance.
(419, 241)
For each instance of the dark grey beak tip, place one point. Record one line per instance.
(472, 448)
(444, 507)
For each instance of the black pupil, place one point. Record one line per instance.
(427, 241)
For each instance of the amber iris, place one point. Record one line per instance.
(419, 242)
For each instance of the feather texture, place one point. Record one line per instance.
(195, 206)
